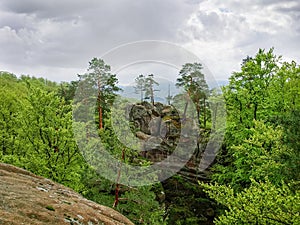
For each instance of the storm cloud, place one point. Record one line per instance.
(56, 39)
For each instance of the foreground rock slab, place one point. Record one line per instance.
(29, 199)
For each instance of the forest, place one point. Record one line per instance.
(254, 178)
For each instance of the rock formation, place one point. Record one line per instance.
(159, 127)
(29, 199)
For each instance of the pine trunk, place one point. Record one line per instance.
(100, 117)
(204, 114)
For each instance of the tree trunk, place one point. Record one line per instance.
(152, 95)
(100, 113)
(255, 111)
(185, 109)
(99, 106)
(116, 202)
(198, 115)
(241, 111)
(100, 117)
(198, 135)
(215, 113)
(204, 114)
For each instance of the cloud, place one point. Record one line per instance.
(67, 34)
(48, 9)
(57, 38)
(223, 33)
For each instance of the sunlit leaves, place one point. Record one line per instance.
(262, 203)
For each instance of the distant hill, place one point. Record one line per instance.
(222, 82)
(162, 90)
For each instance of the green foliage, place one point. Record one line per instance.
(138, 204)
(145, 85)
(267, 92)
(114, 140)
(148, 211)
(12, 101)
(100, 79)
(258, 170)
(262, 154)
(247, 92)
(68, 90)
(36, 132)
(262, 203)
(42, 83)
(193, 81)
(285, 103)
(47, 124)
(98, 84)
(140, 86)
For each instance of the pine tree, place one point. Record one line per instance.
(149, 87)
(193, 81)
(99, 77)
(140, 86)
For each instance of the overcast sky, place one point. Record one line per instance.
(56, 39)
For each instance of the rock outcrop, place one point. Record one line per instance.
(29, 199)
(160, 128)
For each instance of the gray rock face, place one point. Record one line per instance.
(160, 129)
(159, 126)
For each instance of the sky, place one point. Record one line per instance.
(56, 39)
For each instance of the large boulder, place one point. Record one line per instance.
(29, 199)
